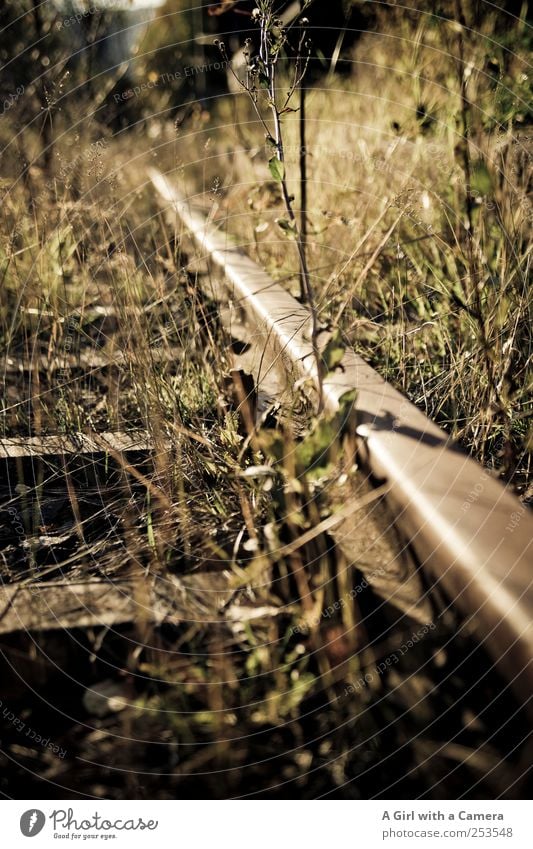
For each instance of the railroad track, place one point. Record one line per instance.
(403, 583)
(432, 518)
(458, 521)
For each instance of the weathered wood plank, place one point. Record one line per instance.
(60, 605)
(42, 606)
(77, 443)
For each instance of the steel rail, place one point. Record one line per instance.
(471, 536)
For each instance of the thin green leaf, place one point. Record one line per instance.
(276, 168)
(481, 181)
(334, 351)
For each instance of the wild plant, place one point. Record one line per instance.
(264, 84)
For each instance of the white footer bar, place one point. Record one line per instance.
(266, 825)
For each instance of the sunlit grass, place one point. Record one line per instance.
(443, 315)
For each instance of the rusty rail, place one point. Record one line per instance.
(470, 535)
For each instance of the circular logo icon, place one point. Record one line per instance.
(32, 822)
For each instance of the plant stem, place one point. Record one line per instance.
(272, 36)
(473, 258)
(306, 289)
(303, 169)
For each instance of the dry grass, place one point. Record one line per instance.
(444, 315)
